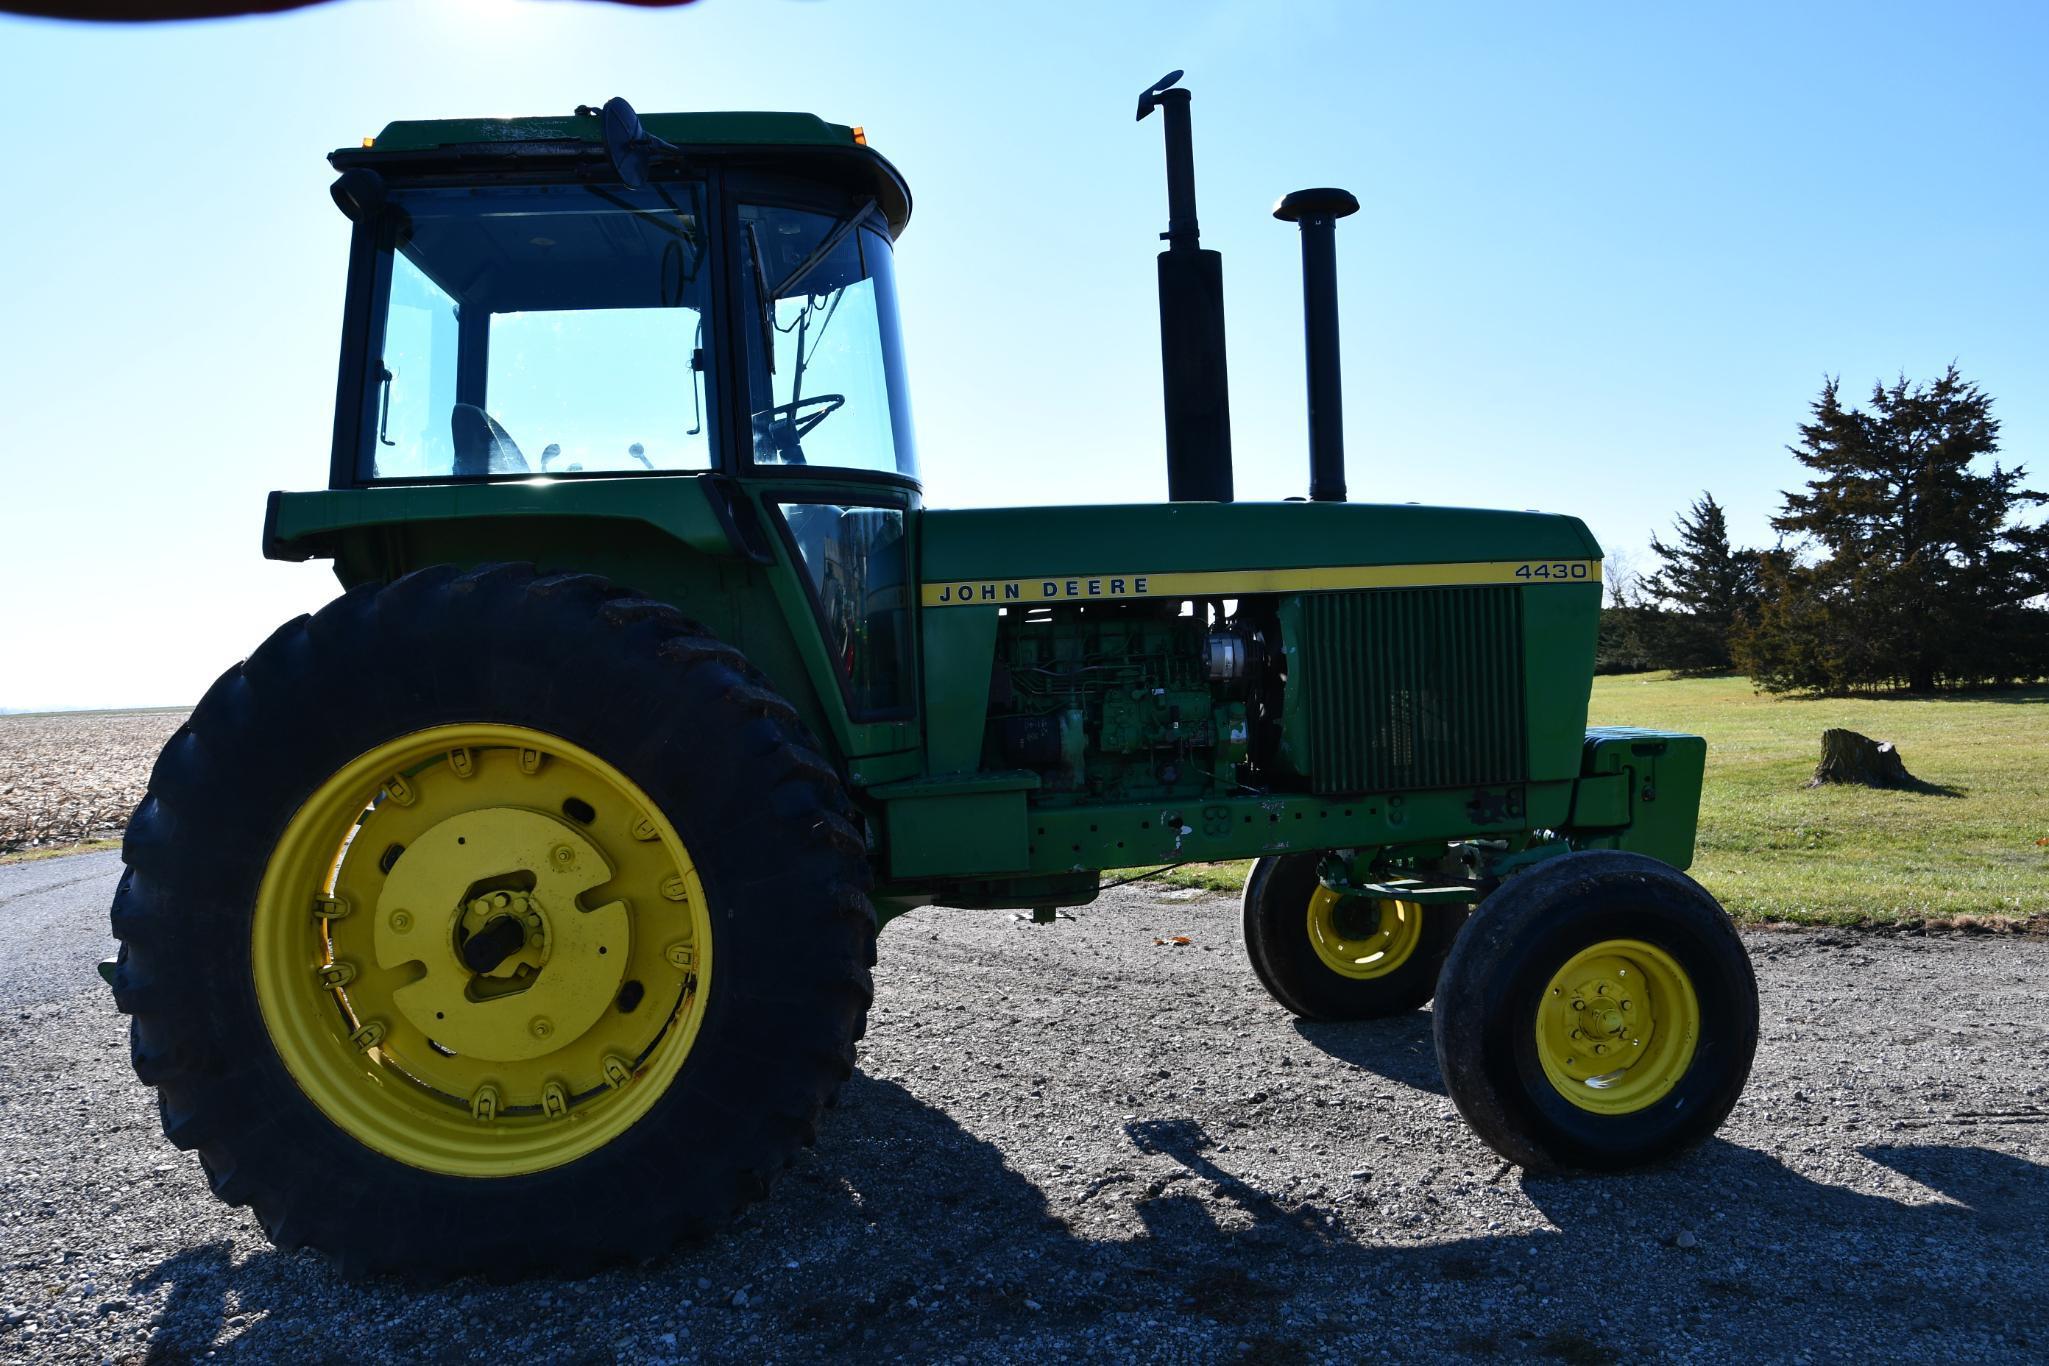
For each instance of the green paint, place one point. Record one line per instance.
(1559, 626)
(959, 647)
(699, 129)
(1004, 543)
(1652, 779)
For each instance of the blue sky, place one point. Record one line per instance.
(1607, 254)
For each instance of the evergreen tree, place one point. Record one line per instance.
(1926, 573)
(1628, 622)
(1708, 586)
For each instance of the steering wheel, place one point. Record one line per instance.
(783, 426)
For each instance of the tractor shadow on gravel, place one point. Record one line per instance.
(903, 1234)
(1401, 1049)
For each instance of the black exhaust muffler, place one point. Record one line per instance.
(1193, 376)
(1317, 213)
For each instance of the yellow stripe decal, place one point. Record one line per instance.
(1234, 583)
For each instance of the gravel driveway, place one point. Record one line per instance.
(1073, 1141)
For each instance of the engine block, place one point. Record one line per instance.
(1118, 703)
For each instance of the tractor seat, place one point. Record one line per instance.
(481, 445)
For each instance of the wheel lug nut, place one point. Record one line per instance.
(1600, 1048)
(1578, 1004)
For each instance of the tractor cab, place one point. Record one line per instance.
(516, 310)
(687, 323)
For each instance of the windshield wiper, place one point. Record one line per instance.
(764, 316)
(823, 249)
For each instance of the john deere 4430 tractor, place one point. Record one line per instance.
(516, 910)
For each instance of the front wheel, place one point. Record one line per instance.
(1599, 1012)
(1331, 957)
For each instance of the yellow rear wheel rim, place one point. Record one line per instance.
(1360, 938)
(1617, 1026)
(481, 950)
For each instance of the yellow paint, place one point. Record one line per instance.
(568, 973)
(531, 1062)
(1232, 583)
(1375, 952)
(1617, 1026)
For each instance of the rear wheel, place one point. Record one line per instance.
(1330, 957)
(1599, 1012)
(492, 923)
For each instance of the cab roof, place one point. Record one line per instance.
(798, 143)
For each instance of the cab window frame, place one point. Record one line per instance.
(373, 249)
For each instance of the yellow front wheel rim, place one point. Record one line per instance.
(1617, 1026)
(481, 950)
(1360, 938)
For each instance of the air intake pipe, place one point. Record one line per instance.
(1192, 371)
(1317, 213)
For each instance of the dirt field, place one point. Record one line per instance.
(68, 777)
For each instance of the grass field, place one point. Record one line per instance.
(1774, 849)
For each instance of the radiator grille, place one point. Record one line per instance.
(1413, 688)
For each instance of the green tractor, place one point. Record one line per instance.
(516, 910)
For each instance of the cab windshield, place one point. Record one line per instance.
(542, 330)
(824, 344)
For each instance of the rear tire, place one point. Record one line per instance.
(1655, 1053)
(1326, 958)
(675, 716)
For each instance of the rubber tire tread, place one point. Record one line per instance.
(1275, 911)
(634, 681)
(1520, 936)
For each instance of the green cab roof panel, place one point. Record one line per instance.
(702, 129)
(798, 144)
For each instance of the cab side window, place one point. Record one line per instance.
(855, 560)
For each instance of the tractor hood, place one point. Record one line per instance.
(1028, 555)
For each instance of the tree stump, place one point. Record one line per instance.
(1847, 757)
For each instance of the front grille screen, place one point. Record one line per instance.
(1413, 688)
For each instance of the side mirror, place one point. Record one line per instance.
(629, 146)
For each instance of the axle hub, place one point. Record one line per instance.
(520, 968)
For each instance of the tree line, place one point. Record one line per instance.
(1900, 564)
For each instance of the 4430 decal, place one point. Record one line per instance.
(1567, 570)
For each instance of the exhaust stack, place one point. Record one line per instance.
(1317, 213)
(1192, 369)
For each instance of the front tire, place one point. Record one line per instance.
(492, 923)
(1326, 957)
(1598, 1013)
